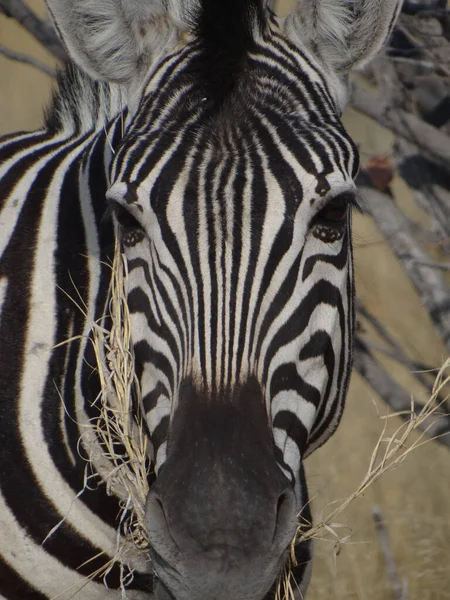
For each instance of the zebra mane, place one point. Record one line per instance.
(226, 31)
(229, 25)
(80, 104)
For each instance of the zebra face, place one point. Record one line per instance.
(234, 215)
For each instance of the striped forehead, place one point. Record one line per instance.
(281, 113)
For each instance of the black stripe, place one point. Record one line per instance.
(159, 435)
(322, 291)
(138, 302)
(145, 354)
(286, 377)
(37, 515)
(289, 422)
(13, 587)
(327, 413)
(339, 261)
(150, 399)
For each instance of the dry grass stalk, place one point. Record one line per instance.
(119, 426)
(389, 453)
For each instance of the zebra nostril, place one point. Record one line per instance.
(281, 502)
(156, 515)
(286, 514)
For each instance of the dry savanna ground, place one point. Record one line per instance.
(415, 498)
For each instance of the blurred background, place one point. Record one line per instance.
(399, 116)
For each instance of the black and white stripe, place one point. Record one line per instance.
(52, 186)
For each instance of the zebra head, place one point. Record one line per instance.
(232, 189)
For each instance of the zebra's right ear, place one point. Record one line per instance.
(116, 40)
(342, 33)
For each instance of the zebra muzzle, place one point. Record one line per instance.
(221, 513)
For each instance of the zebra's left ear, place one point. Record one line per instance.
(343, 33)
(116, 40)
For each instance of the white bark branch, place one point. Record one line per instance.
(42, 31)
(400, 590)
(29, 60)
(402, 123)
(430, 283)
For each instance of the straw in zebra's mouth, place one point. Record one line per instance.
(119, 426)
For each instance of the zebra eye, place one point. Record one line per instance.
(131, 230)
(335, 212)
(329, 223)
(125, 219)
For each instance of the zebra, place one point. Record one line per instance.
(206, 138)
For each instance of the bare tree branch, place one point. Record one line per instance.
(425, 51)
(432, 264)
(42, 31)
(426, 182)
(430, 284)
(390, 90)
(29, 60)
(395, 351)
(424, 64)
(402, 123)
(424, 374)
(380, 525)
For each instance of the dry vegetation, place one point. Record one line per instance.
(414, 498)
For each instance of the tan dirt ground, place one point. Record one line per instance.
(415, 499)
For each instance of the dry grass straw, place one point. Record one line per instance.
(390, 451)
(120, 426)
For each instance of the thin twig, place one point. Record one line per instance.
(421, 372)
(416, 42)
(387, 337)
(400, 358)
(28, 60)
(431, 285)
(424, 64)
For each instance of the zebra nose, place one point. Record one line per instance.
(200, 547)
(220, 538)
(219, 529)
